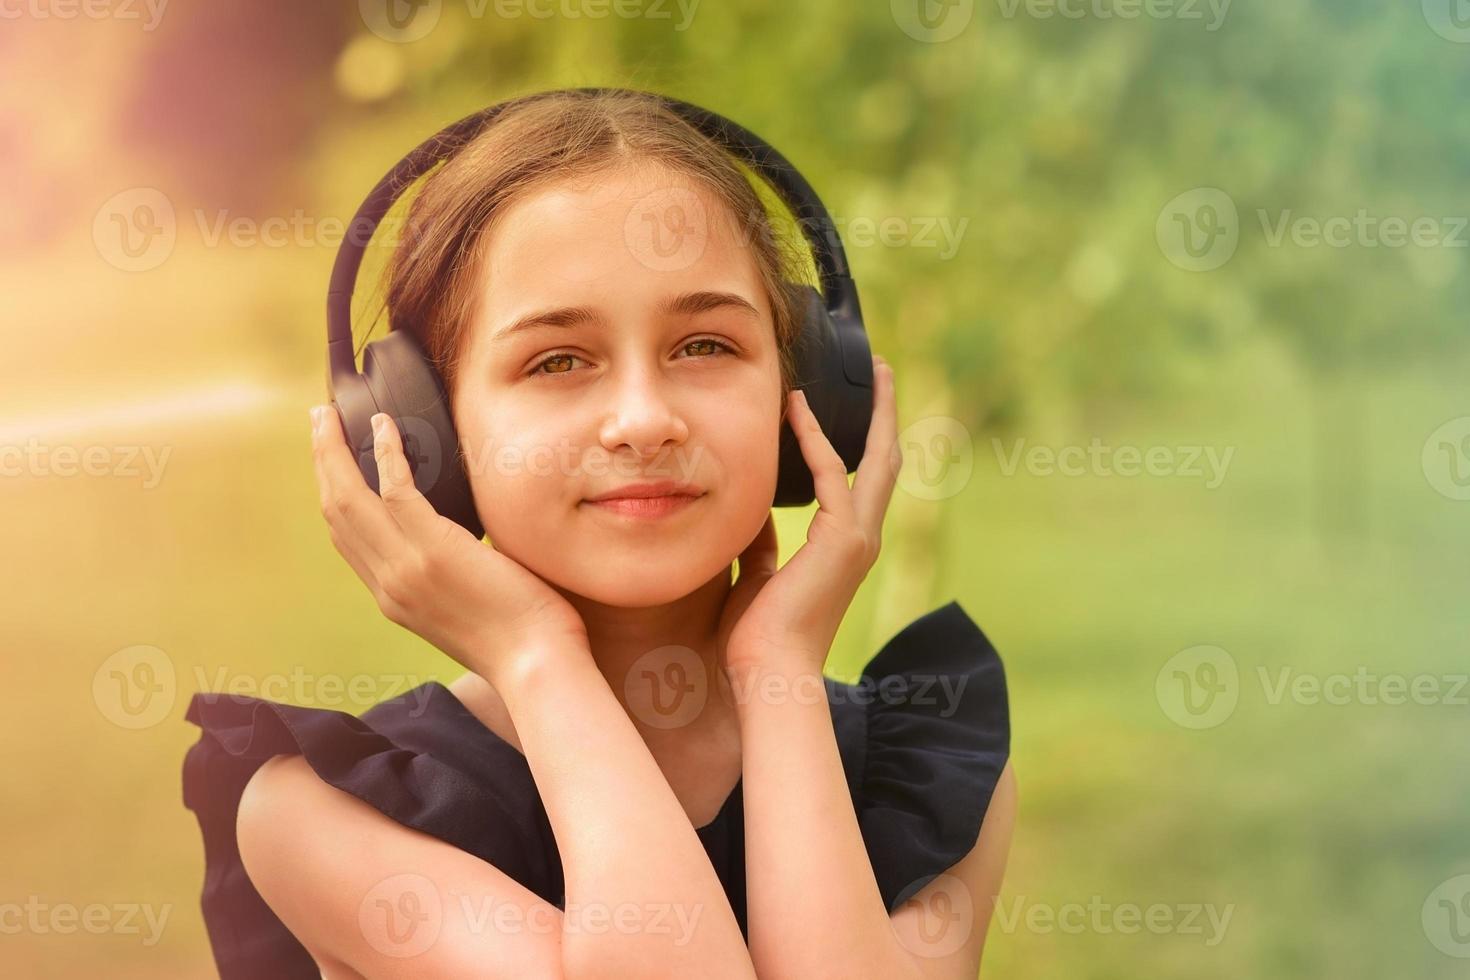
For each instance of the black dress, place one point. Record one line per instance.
(923, 736)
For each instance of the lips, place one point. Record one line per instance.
(644, 507)
(646, 501)
(645, 491)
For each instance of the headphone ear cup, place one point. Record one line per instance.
(400, 381)
(834, 369)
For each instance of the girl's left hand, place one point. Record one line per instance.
(788, 619)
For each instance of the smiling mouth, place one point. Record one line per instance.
(644, 508)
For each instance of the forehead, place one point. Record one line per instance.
(633, 235)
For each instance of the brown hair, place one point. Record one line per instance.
(430, 276)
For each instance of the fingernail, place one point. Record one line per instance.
(316, 419)
(378, 421)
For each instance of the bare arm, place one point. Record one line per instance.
(624, 838)
(814, 905)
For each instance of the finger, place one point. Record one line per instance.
(348, 503)
(759, 557)
(344, 547)
(829, 472)
(877, 474)
(405, 504)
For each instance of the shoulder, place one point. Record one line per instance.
(290, 824)
(336, 870)
(946, 921)
(281, 825)
(930, 737)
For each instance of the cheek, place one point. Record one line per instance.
(520, 466)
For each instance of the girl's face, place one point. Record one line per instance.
(622, 336)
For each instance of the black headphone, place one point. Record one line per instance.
(833, 360)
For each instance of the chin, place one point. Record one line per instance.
(650, 577)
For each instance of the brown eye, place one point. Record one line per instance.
(553, 359)
(709, 342)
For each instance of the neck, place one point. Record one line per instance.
(648, 654)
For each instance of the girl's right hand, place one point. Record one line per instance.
(427, 573)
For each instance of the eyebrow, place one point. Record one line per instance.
(687, 304)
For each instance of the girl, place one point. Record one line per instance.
(644, 772)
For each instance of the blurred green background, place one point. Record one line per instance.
(1204, 232)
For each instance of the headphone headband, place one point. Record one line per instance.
(811, 214)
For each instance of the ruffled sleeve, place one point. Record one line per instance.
(468, 792)
(936, 736)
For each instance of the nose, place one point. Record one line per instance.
(641, 415)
